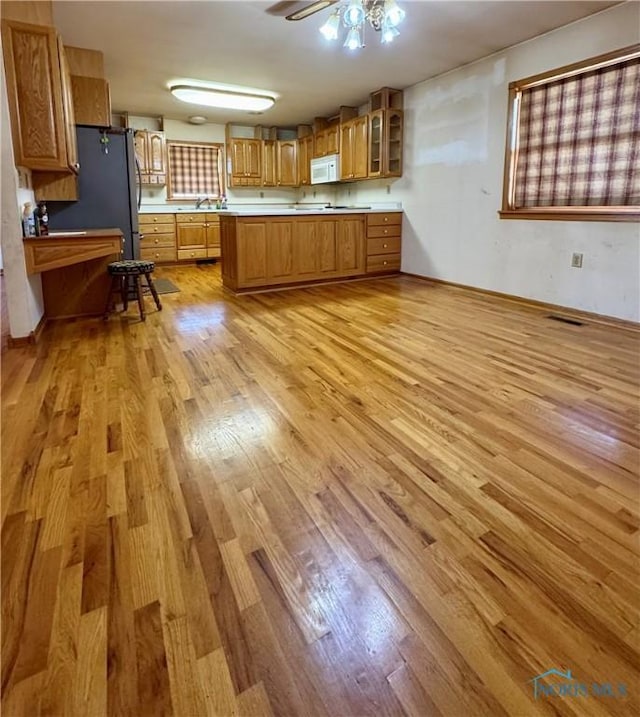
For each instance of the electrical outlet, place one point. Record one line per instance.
(261, 195)
(576, 260)
(388, 189)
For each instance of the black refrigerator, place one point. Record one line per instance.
(107, 188)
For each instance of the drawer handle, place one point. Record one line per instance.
(155, 219)
(157, 255)
(385, 263)
(157, 240)
(384, 246)
(386, 219)
(386, 231)
(155, 229)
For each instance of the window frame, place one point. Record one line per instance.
(630, 213)
(195, 143)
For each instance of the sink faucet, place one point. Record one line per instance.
(201, 200)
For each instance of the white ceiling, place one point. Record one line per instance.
(147, 44)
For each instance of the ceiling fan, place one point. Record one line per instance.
(383, 16)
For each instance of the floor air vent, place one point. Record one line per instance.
(566, 320)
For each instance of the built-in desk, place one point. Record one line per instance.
(74, 269)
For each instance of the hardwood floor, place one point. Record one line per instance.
(378, 498)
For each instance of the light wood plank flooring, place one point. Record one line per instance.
(379, 498)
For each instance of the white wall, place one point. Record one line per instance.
(24, 293)
(451, 187)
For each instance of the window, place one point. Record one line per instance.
(194, 170)
(573, 142)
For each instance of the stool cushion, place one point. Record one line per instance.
(131, 266)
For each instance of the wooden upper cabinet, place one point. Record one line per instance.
(354, 148)
(91, 101)
(151, 152)
(156, 152)
(287, 162)
(140, 148)
(333, 139)
(40, 101)
(305, 154)
(327, 141)
(269, 174)
(68, 110)
(245, 156)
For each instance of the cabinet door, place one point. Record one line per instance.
(327, 231)
(251, 239)
(307, 249)
(320, 144)
(375, 143)
(287, 163)
(191, 236)
(359, 147)
(156, 152)
(351, 245)
(237, 156)
(253, 157)
(346, 151)
(394, 120)
(333, 140)
(280, 265)
(68, 112)
(305, 153)
(34, 90)
(140, 147)
(269, 178)
(213, 238)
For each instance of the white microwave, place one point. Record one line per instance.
(325, 169)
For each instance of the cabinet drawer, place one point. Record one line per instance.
(148, 241)
(191, 218)
(394, 230)
(212, 218)
(383, 262)
(384, 219)
(213, 252)
(186, 254)
(158, 254)
(144, 219)
(383, 245)
(150, 229)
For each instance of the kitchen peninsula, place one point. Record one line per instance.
(73, 265)
(296, 246)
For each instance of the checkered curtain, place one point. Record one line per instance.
(194, 170)
(579, 140)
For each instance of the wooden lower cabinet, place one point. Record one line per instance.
(259, 252)
(157, 237)
(384, 242)
(197, 236)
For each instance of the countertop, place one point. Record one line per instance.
(76, 234)
(255, 210)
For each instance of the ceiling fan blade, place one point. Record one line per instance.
(309, 8)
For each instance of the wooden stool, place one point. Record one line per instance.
(121, 272)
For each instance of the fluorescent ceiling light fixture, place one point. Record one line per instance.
(222, 97)
(310, 9)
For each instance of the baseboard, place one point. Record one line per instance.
(30, 340)
(534, 304)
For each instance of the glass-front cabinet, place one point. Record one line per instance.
(385, 143)
(375, 143)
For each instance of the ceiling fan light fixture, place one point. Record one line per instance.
(354, 40)
(222, 98)
(354, 14)
(393, 13)
(331, 26)
(382, 15)
(388, 33)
